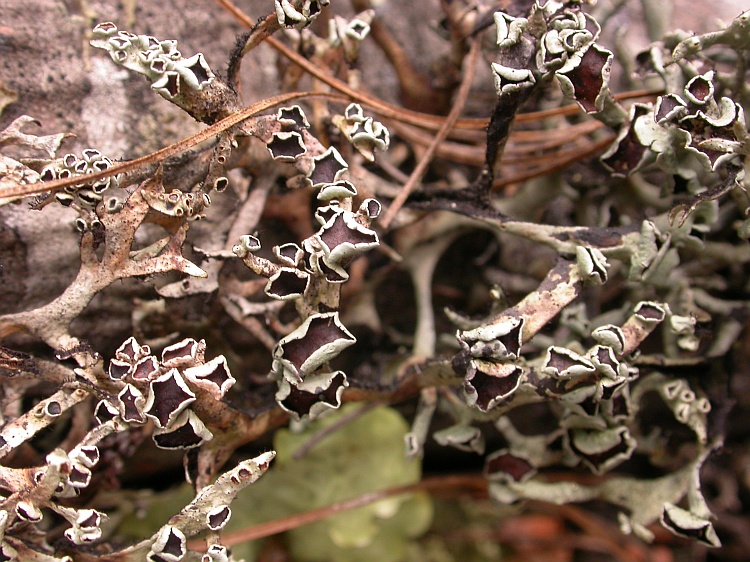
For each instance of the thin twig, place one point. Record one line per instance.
(167, 151)
(565, 158)
(522, 144)
(442, 134)
(326, 431)
(381, 107)
(618, 545)
(425, 120)
(472, 482)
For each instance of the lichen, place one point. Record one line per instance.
(572, 324)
